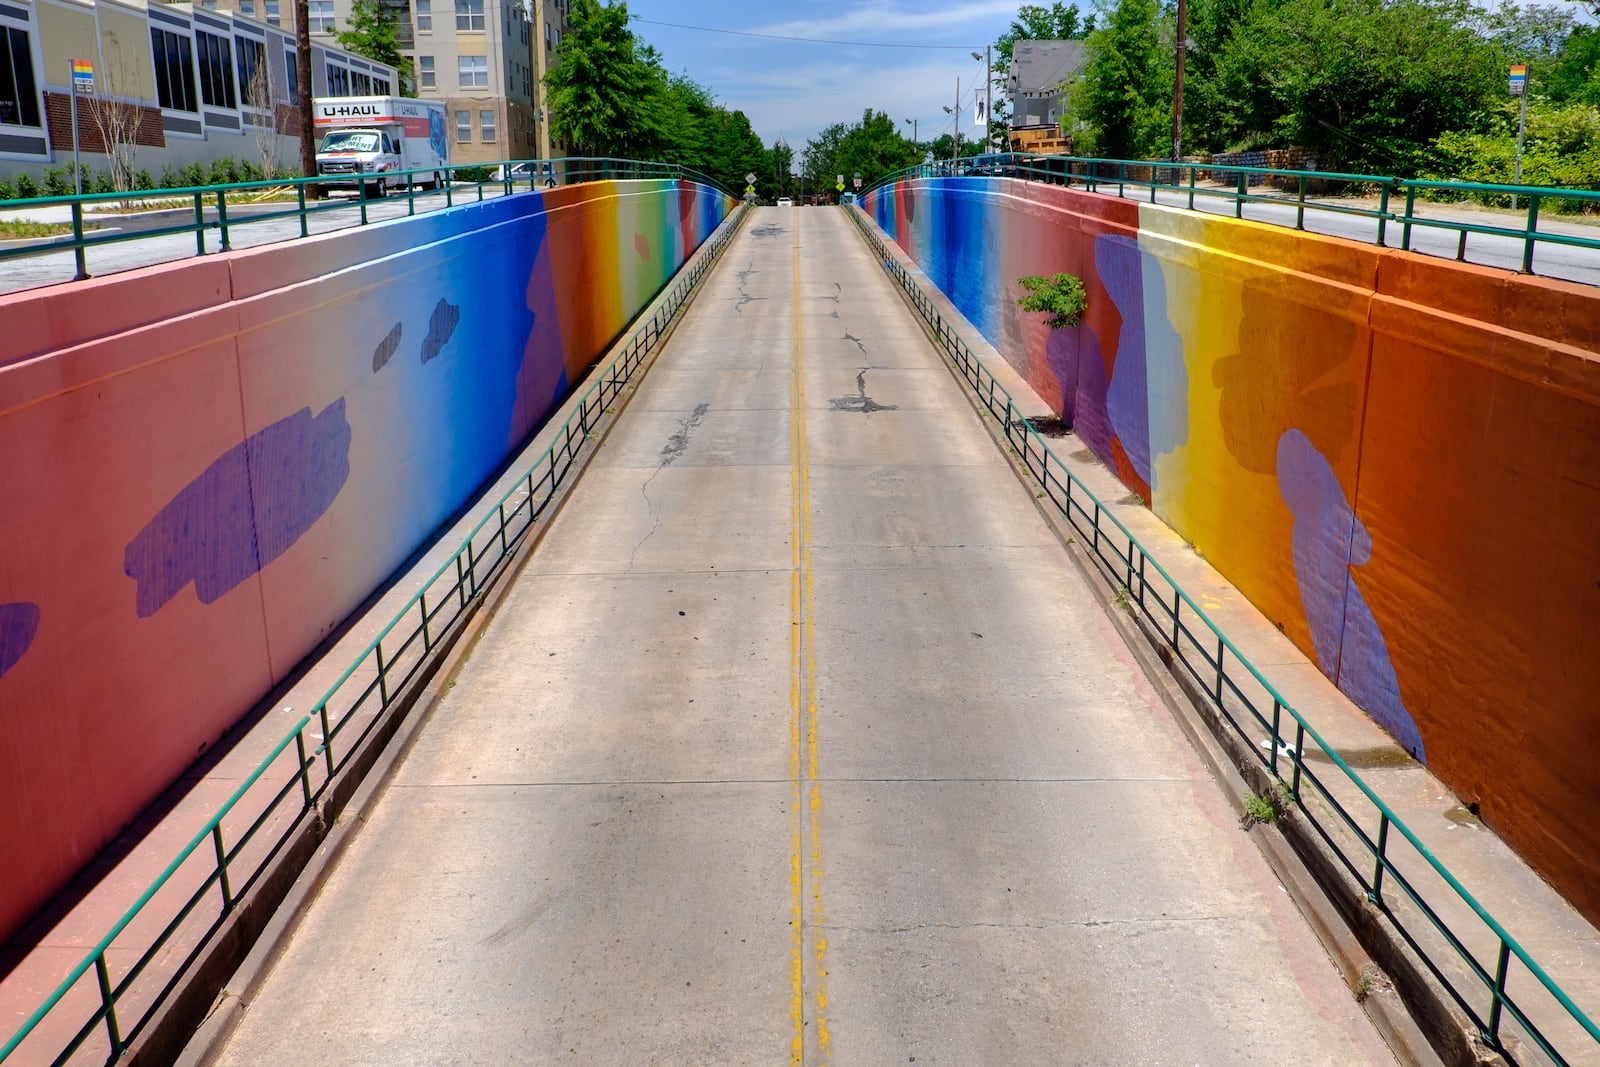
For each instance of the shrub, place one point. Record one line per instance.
(192, 175)
(169, 178)
(143, 181)
(58, 181)
(27, 189)
(1062, 296)
(7, 191)
(102, 183)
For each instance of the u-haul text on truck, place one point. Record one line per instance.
(372, 140)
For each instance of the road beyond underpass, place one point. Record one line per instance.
(800, 737)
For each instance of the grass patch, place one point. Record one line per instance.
(27, 229)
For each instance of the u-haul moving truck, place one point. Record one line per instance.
(365, 138)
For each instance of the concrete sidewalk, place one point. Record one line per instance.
(1565, 945)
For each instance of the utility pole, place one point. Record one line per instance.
(308, 114)
(1177, 89)
(955, 150)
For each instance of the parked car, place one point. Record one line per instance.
(526, 172)
(784, 201)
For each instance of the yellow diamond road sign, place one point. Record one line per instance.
(840, 187)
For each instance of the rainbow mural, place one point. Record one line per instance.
(209, 464)
(1396, 458)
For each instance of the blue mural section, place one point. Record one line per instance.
(19, 623)
(1328, 540)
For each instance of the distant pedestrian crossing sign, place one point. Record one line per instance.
(82, 76)
(1519, 79)
(749, 189)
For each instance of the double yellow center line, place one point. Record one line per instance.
(803, 710)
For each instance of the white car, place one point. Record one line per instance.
(784, 201)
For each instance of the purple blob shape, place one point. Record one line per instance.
(19, 622)
(1117, 264)
(1328, 540)
(243, 511)
(1090, 422)
(1061, 356)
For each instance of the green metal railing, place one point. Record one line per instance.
(1398, 198)
(205, 209)
(1243, 696)
(324, 740)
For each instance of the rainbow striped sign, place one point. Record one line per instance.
(1519, 79)
(82, 76)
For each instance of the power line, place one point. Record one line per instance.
(801, 40)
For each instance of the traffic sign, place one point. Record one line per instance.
(1519, 79)
(749, 188)
(82, 76)
(751, 178)
(840, 186)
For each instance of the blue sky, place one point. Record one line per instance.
(795, 89)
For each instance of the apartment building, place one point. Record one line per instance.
(484, 59)
(200, 84)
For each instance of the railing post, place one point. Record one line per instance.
(199, 224)
(304, 775)
(222, 218)
(109, 1002)
(1299, 755)
(383, 677)
(361, 195)
(79, 253)
(1221, 651)
(461, 578)
(1383, 213)
(427, 638)
(327, 739)
(1405, 227)
(1238, 199)
(1277, 739)
(222, 868)
(1500, 967)
(1300, 210)
(1191, 188)
(1376, 896)
(472, 567)
(300, 190)
(1530, 240)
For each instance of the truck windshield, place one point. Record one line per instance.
(350, 141)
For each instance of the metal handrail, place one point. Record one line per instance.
(1126, 561)
(453, 588)
(1099, 175)
(214, 199)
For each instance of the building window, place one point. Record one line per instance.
(272, 12)
(174, 60)
(474, 72)
(247, 8)
(547, 37)
(486, 125)
(321, 16)
(360, 85)
(425, 72)
(216, 70)
(380, 86)
(251, 56)
(293, 79)
(464, 127)
(19, 95)
(424, 14)
(469, 15)
(338, 80)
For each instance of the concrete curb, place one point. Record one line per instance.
(1408, 1007)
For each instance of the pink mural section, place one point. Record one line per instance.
(209, 464)
(1394, 457)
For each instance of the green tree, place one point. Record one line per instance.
(1370, 84)
(373, 31)
(1123, 105)
(1573, 74)
(605, 98)
(871, 148)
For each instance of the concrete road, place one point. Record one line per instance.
(801, 739)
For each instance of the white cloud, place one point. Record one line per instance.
(885, 20)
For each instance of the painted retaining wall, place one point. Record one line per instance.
(208, 465)
(1396, 458)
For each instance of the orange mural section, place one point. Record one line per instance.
(1396, 458)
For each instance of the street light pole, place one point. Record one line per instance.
(955, 150)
